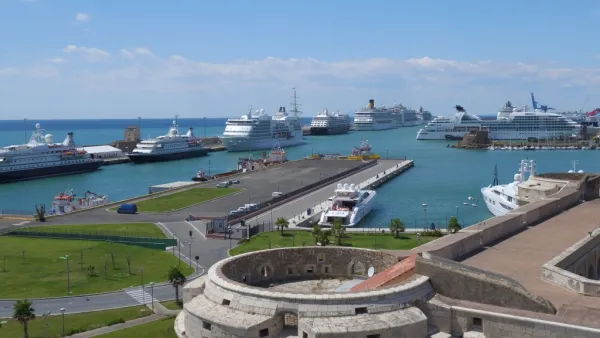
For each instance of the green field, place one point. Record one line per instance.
(123, 229)
(183, 199)
(172, 305)
(79, 322)
(34, 269)
(304, 238)
(163, 328)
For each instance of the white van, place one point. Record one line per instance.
(276, 194)
(223, 185)
(250, 206)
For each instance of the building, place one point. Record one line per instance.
(104, 152)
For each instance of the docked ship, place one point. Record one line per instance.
(363, 152)
(172, 146)
(424, 116)
(41, 157)
(326, 123)
(502, 199)
(376, 118)
(408, 117)
(67, 202)
(511, 124)
(259, 131)
(349, 206)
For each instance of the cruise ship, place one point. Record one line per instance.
(383, 118)
(326, 123)
(511, 124)
(349, 206)
(172, 146)
(424, 116)
(259, 131)
(41, 157)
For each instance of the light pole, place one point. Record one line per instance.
(25, 125)
(143, 292)
(66, 257)
(457, 213)
(62, 310)
(45, 315)
(152, 295)
(190, 245)
(179, 251)
(425, 214)
(271, 224)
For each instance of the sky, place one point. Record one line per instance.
(68, 59)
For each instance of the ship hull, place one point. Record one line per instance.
(246, 144)
(151, 158)
(37, 173)
(329, 130)
(375, 126)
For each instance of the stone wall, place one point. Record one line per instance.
(459, 281)
(268, 266)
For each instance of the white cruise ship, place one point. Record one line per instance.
(41, 157)
(350, 205)
(326, 123)
(511, 124)
(258, 131)
(376, 118)
(172, 146)
(424, 116)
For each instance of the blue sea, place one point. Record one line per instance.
(443, 178)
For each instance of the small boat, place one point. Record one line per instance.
(363, 152)
(67, 202)
(200, 177)
(277, 154)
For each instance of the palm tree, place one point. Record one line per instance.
(281, 223)
(396, 227)
(23, 312)
(338, 231)
(176, 278)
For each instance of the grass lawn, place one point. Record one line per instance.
(172, 305)
(358, 240)
(123, 229)
(41, 273)
(76, 322)
(183, 199)
(163, 328)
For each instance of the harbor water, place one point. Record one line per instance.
(442, 178)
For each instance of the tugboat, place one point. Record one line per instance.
(277, 155)
(200, 177)
(66, 202)
(363, 152)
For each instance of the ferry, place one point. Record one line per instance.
(67, 202)
(259, 131)
(168, 147)
(41, 157)
(349, 206)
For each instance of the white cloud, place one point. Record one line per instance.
(91, 53)
(34, 71)
(82, 17)
(133, 52)
(57, 60)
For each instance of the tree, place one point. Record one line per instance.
(338, 231)
(316, 233)
(396, 227)
(321, 236)
(40, 213)
(23, 313)
(128, 258)
(453, 225)
(91, 270)
(177, 279)
(281, 223)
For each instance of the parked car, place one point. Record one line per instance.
(234, 212)
(250, 206)
(276, 194)
(127, 209)
(223, 185)
(234, 181)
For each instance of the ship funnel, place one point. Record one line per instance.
(69, 142)
(190, 132)
(371, 104)
(282, 109)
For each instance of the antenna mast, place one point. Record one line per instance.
(295, 104)
(495, 176)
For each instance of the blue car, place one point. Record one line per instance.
(127, 209)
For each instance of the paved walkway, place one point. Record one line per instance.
(117, 327)
(521, 257)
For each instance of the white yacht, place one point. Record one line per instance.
(511, 124)
(258, 131)
(172, 146)
(349, 205)
(326, 123)
(501, 199)
(41, 157)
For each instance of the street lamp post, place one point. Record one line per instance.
(179, 251)
(62, 310)
(457, 213)
(143, 292)
(66, 257)
(190, 245)
(152, 295)
(425, 214)
(46, 324)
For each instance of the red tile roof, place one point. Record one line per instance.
(394, 274)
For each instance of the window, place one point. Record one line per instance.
(206, 326)
(263, 333)
(290, 270)
(226, 302)
(309, 269)
(477, 324)
(326, 269)
(321, 258)
(360, 310)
